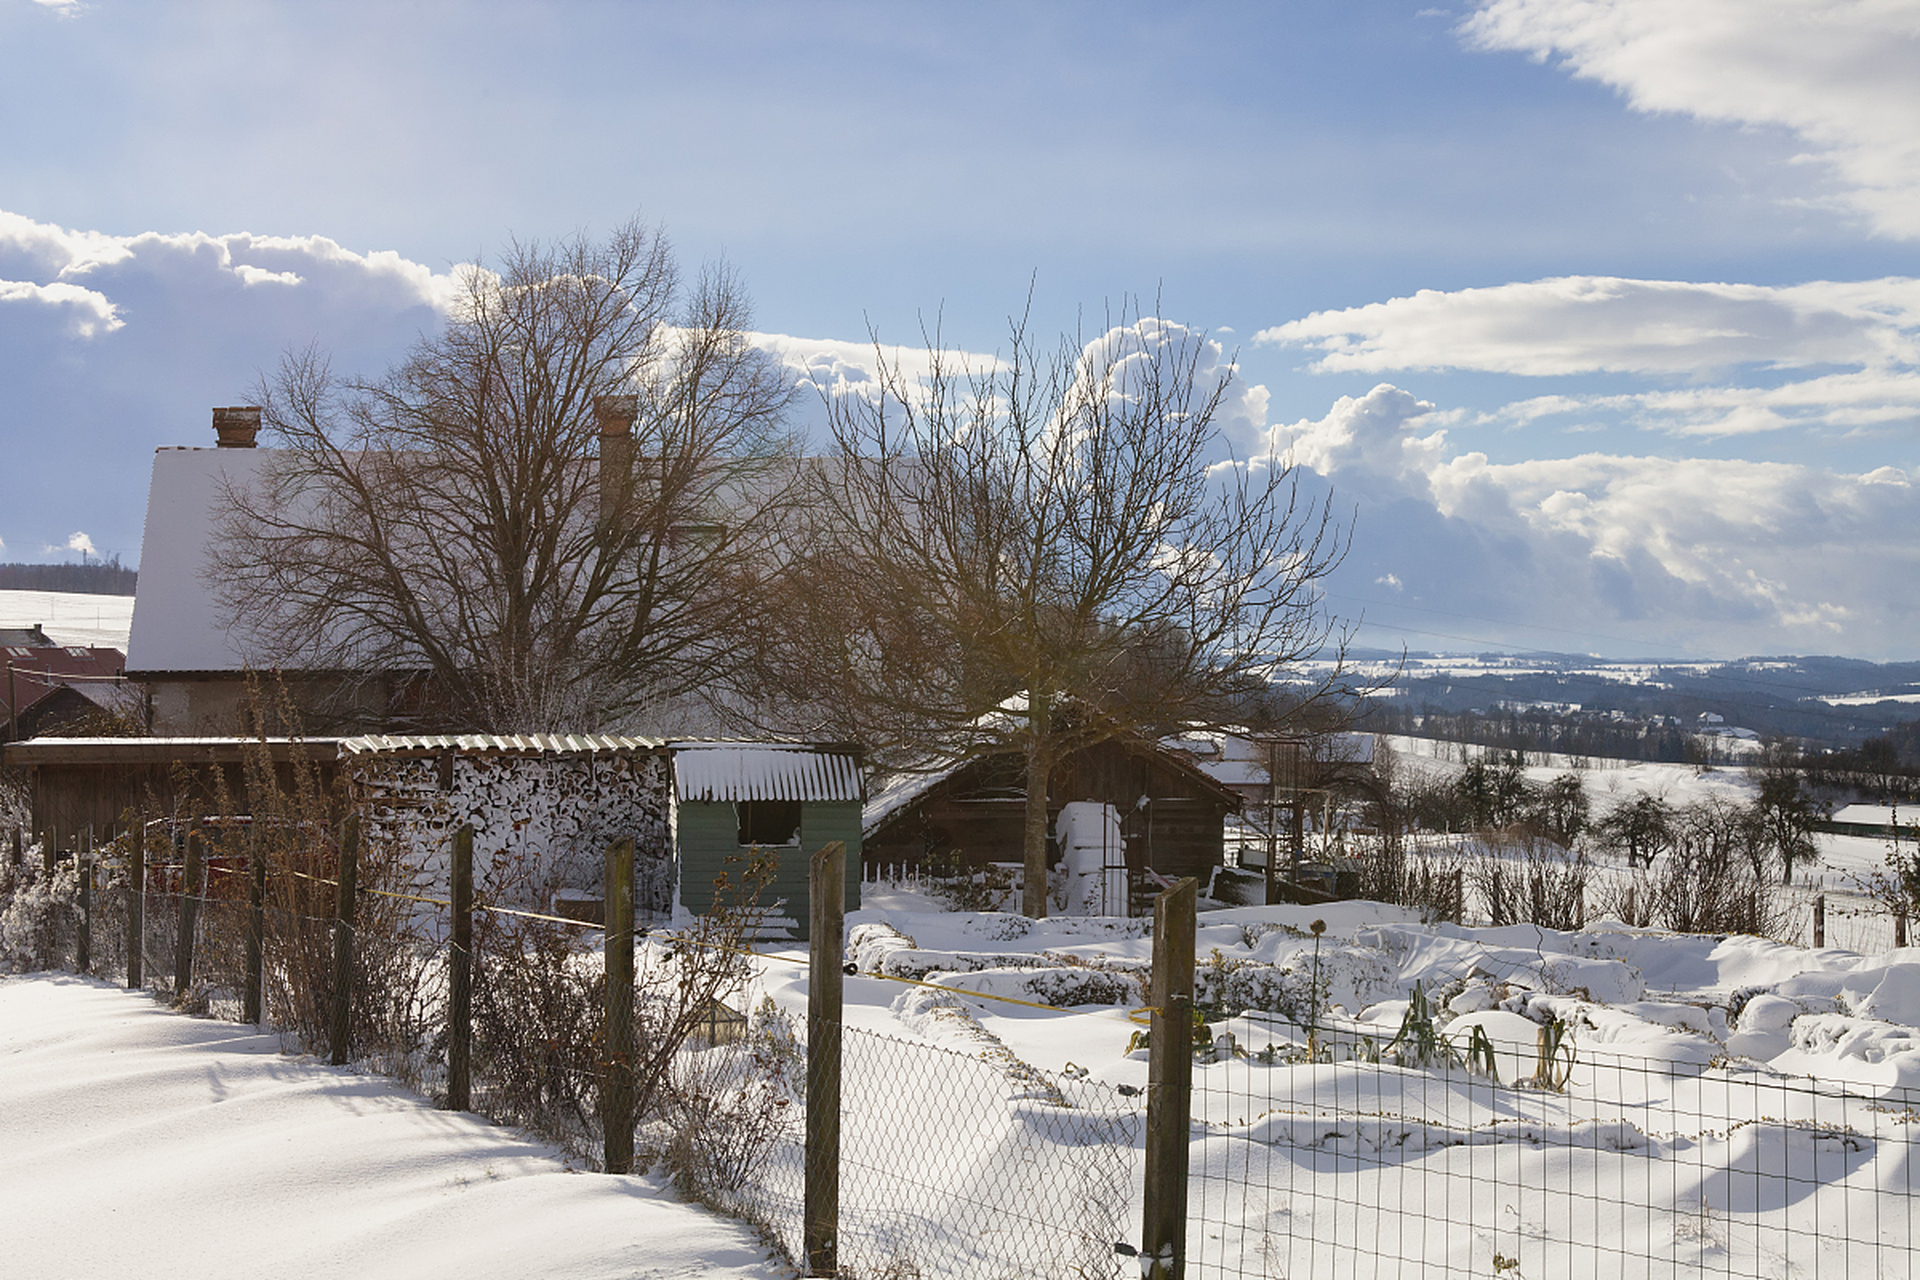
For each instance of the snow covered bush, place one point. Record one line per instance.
(37, 914)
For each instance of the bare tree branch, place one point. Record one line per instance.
(447, 520)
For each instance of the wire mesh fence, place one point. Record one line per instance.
(954, 1164)
(1629, 1168)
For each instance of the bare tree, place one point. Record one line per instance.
(1048, 550)
(554, 510)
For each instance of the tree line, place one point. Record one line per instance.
(101, 578)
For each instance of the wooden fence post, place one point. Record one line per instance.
(826, 953)
(1163, 1251)
(189, 916)
(250, 1010)
(341, 1022)
(1820, 920)
(460, 978)
(616, 1089)
(1900, 929)
(137, 907)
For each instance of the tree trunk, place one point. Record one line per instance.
(1034, 845)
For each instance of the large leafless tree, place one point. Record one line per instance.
(1049, 549)
(553, 510)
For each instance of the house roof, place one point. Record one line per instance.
(40, 670)
(731, 771)
(176, 623)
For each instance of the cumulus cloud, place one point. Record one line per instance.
(826, 368)
(125, 342)
(87, 312)
(1724, 555)
(58, 255)
(83, 544)
(1837, 73)
(1606, 324)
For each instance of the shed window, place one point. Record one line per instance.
(769, 822)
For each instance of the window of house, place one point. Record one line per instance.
(769, 822)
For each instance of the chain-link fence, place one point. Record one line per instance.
(954, 1164)
(1613, 1167)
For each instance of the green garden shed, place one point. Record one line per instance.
(791, 799)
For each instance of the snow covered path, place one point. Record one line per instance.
(138, 1141)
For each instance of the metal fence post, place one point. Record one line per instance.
(826, 953)
(460, 976)
(189, 915)
(341, 1022)
(1169, 1084)
(137, 907)
(616, 1091)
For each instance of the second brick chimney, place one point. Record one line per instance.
(614, 416)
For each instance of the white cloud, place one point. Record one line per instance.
(59, 255)
(89, 313)
(1725, 555)
(83, 544)
(1589, 324)
(1869, 400)
(123, 343)
(1837, 73)
(1368, 440)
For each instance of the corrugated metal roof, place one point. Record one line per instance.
(765, 771)
(521, 744)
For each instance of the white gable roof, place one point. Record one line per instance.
(176, 625)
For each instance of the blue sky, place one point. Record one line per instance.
(1599, 317)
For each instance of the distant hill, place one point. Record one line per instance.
(1644, 709)
(105, 578)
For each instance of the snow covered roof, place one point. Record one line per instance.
(726, 771)
(1239, 760)
(176, 625)
(1878, 815)
(902, 790)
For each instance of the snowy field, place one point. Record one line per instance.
(71, 618)
(142, 1142)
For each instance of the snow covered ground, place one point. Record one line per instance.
(71, 618)
(1723, 1104)
(142, 1142)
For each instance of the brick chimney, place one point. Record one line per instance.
(615, 415)
(237, 427)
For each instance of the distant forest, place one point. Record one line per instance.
(102, 578)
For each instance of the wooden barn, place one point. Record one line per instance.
(971, 812)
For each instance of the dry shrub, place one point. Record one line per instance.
(728, 1103)
(1711, 881)
(1525, 878)
(540, 1012)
